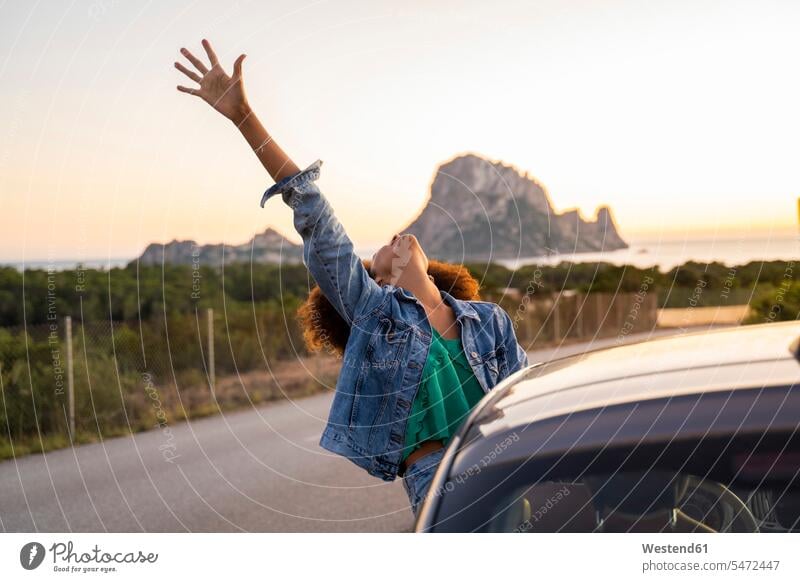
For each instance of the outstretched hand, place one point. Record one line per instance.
(225, 94)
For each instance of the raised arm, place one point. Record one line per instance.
(226, 95)
(327, 250)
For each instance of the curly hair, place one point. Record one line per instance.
(324, 328)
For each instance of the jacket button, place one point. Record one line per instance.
(474, 354)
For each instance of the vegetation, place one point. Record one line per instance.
(776, 303)
(719, 284)
(140, 334)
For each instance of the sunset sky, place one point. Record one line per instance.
(682, 116)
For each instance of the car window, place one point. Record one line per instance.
(739, 484)
(644, 502)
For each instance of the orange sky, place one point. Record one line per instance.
(682, 116)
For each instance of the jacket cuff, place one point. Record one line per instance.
(310, 174)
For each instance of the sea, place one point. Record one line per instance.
(666, 254)
(642, 253)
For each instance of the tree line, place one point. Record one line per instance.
(157, 293)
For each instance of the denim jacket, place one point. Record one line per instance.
(389, 336)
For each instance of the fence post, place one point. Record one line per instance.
(529, 325)
(70, 378)
(211, 370)
(620, 303)
(598, 315)
(556, 319)
(652, 312)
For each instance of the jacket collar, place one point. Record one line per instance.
(460, 308)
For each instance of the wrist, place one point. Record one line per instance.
(241, 114)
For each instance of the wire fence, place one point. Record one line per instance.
(541, 321)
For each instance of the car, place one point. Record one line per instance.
(696, 432)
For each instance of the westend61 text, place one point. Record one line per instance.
(675, 549)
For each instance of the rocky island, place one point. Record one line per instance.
(268, 247)
(482, 210)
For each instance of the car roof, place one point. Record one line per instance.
(753, 356)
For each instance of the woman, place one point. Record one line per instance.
(419, 350)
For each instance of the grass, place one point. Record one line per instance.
(294, 382)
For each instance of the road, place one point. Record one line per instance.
(251, 470)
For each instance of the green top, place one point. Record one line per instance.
(447, 393)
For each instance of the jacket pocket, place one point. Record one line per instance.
(376, 378)
(387, 339)
(370, 399)
(356, 392)
(502, 361)
(496, 364)
(378, 423)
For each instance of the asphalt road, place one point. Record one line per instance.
(252, 470)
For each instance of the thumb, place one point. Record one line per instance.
(237, 66)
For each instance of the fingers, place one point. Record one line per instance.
(212, 56)
(188, 90)
(191, 74)
(237, 67)
(198, 64)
